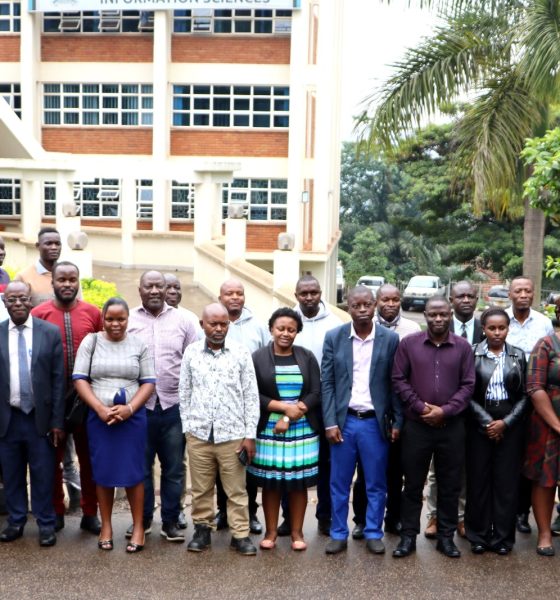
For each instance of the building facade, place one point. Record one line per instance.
(163, 119)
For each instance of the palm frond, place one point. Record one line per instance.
(490, 137)
(540, 40)
(443, 66)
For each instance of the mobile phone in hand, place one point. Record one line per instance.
(243, 457)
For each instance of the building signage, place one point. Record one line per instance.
(76, 5)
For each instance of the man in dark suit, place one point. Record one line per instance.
(463, 298)
(31, 413)
(357, 396)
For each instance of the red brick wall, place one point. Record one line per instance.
(144, 225)
(9, 48)
(263, 237)
(101, 223)
(234, 49)
(97, 140)
(98, 48)
(181, 226)
(194, 142)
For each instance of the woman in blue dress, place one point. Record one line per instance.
(114, 375)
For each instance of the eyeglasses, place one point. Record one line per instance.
(14, 299)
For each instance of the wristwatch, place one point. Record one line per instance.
(286, 419)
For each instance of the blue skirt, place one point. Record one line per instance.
(288, 461)
(117, 451)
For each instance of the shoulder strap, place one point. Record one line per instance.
(92, 353)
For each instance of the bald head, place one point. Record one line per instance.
(388, 302)
(152, 291)
(215, 323)
(173, 293)
(232, 296)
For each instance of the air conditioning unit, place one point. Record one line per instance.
(77, 240)
(237, 211)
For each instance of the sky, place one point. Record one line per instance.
(375, 34)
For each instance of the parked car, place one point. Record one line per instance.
(372, 282)
(498, 296)
(419, 289)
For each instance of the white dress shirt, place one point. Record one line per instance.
(362, 351)
(13, 335)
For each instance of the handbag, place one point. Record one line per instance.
(76, 408)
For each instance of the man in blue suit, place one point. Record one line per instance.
(31, 413)
(360, 413)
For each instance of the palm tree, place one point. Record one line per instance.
(503, 55)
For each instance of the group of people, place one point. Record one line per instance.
(375, 403)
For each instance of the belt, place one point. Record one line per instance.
(362, 414)
(496, 403)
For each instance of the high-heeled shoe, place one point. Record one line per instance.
(105, 544)
(133, 547)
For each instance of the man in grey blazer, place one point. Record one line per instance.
(31, 413)
(358, 405)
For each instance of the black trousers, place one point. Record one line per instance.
(221, 496)
(447, 446)
(394, 489)
(492, 485)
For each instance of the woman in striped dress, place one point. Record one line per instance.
(287, 455)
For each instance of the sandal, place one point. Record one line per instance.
(299, 545)
(133, 547)
(105, 544)
(267, 544)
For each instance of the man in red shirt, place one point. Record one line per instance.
(75, 319)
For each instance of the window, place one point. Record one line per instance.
(182, 200)
(231, 106)
(49, 199)
(103, 21)
(144, 199)
(240, 21)
(265, 199)
(98, 104)
(96, 199)
(11, 92)
(10, 205)
(10, 11)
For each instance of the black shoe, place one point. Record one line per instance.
(324, 526)
(523, 523)
(90, 523)
(501, 549)
(394, 527)
(221, 520)
(478, 548)
(447, 546)
(358, 531)
(182, 521)
(375, 546)
(284, 529)
(11, 533)
(147, 529)
(59, 522)
(255, 525)
(335, 546)
(47, 537)
(201, 539)
(545, 550)
(244, 546)
(406, 546)
(172, 533)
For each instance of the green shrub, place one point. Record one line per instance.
(97, 292)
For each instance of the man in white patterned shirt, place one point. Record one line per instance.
(219, 403)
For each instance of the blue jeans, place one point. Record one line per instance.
(166, 440)
(363, 441)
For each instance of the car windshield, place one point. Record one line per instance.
(423, 282)
(498, 292)
(370, 281)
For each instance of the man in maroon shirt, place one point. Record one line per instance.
(75, 319)
(433, 373)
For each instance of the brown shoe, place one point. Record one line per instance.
(431, 529)
(461, 529)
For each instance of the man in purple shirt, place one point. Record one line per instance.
(167, 332)
(433, 373)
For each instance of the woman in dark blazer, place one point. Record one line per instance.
(287, 454)
(495, 438)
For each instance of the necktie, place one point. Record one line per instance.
(25, 394)
(464, 331)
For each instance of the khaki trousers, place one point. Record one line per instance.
(205, 459)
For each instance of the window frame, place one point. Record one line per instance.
(10, 18)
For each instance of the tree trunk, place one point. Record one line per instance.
(533, 248)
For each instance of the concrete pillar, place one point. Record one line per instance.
(286, 268)
(236, 238)
(128, 220)
(30, 209)
(30, 51)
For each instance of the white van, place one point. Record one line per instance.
(419, 289)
